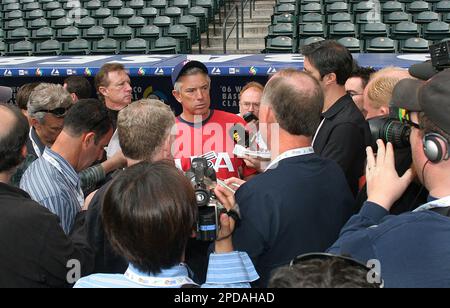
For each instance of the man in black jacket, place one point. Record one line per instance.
(34, 252)
(343, 133)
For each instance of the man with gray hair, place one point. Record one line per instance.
(144, 130)
(299, 204)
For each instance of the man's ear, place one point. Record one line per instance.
(330, 78)
(24, 151)
(103, 91)
(88, 139)
(384, 110)
(74, 97)
(177, 95)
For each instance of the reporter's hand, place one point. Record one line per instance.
(224, 243)
(256, 163)
(234, 183)
(384, 186)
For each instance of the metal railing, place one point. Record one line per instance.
(235, 26)
(251, 9)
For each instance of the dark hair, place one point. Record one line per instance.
(329, 56)
(23, 94)
(427, 126)
(79, 85)
(12, 139)
(364, 73)
(102, 79)
(330, 272)
(149, 213)
(88, 115)
(297, 105)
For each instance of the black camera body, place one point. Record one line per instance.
(389, 130)
(201, 176)
(440, 55)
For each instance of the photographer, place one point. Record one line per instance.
(149, 213)
(412, 248)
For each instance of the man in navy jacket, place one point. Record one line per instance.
(412, 249)
(301, 201)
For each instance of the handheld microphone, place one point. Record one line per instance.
(240, 135)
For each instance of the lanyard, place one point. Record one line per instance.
(443, 202)
(158, 282)
(290, 153)
(55, 163)
(317, 131)
(34, 144)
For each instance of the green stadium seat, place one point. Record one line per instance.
(368, 18)
(391, 6)
(134, 46)
(183, 34)
(311, 18)
(110, 22)
(34, 14)
(42, 34)
(283, 29)
(76, 47)
(442, 7)
(115, 5)
(397, 17)
(149, 13)
(124, 13)
(182, 4)
(85, 22)
(311, 30)
(339, 17)
(285, 9)
(283, 18)
(160, 5)
(363, 7)
(149, 33)
(166, 45)
(94, 33)
(337, 7)
(351, 43)
(13, 15)
(62, 22)
(136, 22)
(202, 14)
(2, 48)
(32, 6)
(280, 44)
(174, 13)
(192, 23)
(93, 5)
(136, 4)
(14, 24)
(48, 48)
(414, 45)
(38, 23)
(11, 7)
(311, 8)
(101, 13)
(342, 29)
(436, 31)
(163, 22)
(405, 30)
(121, 33)
(56, 14)
(50, 6)
(417, 6)
(68, 34)
(105, 46)
(381, 45)
(22, 48)
(426, 17)
(17, 35)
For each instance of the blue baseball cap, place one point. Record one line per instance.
(181, 68)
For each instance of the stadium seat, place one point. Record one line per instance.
(61, 23)
(32, 6)
(442, 7)
(339, 17)
(283, 29)
(17, 35)
(38, 23)
(76, 47)
(351, 43)
(397, 17)
(53, 5)
(149, 33)
(137, 5)
(163, 22)
(56, 14)
(105, 46)
(22, 48)
(381, 45)
(2, 48)
(48, 48)
(192, 23)
(280, 44)
(136, 22)
(42, 34)
(285, 9)
(311, 29)
(311, 8)
(68, 34)
(391, 6)
(426, 17)
(337, 7)
(93, 5)
(94, 33)
(13, 15)
(165, 45)
(417, 6)
(183, 34)
(405, 30)
(121, 33)
(149, 13)
(342, 29)
(184, 5)
(34, 14)
(174, 13)
(363, 7)
(110, 22)
(160, 5)
(85, 22)
(134, 46)
(436, 31)
(311, 18)
(414, 45)
(283, 18)
(101, 13)
(114, 5)
(14, 24)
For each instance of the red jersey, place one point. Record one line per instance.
(212, 140)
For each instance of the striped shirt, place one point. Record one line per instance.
(227, 270)
(52, 182)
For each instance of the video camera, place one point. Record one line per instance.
(440, 55)
(390, 130)
(202, 177)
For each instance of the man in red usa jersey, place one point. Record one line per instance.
(201, 131)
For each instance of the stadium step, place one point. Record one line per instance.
(255, 30)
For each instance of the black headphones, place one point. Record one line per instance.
(433, 149)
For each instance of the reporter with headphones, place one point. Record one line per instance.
(413, 248)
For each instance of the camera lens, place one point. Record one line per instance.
(389, 130)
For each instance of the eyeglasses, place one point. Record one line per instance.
(57, 112)
(248, 104)
(351, 94)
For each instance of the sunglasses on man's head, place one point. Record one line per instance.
(57, 112)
